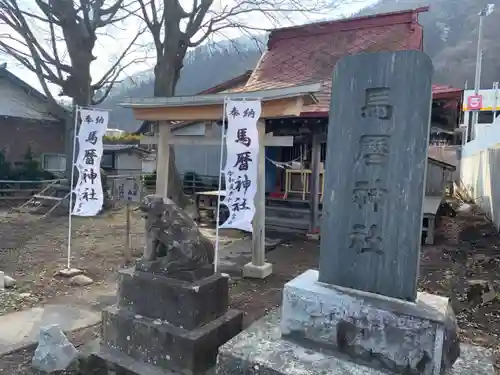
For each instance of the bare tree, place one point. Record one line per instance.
(55, 39)
(175, 29)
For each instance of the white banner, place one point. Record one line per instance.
(241, 170)
(88, 190)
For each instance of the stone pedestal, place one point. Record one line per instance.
(327, 329)
(166, 326)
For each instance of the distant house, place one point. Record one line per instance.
(124, 159)
(29, 121)
(110, 132)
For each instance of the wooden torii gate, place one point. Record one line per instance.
(276, 103)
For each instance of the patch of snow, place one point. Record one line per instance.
(444, 30)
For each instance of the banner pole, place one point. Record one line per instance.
(71, 186)
(217, 241)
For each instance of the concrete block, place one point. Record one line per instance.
(107, 361)
(184, 304)
(381, 332)
(261, 350)
(253, 271)
(163, 345)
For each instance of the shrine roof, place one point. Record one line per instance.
(232, 84)
(121, 147)
(218, 98)
(307, 54)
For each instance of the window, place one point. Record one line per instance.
(107, 161)
(485, 117)
(54, 162)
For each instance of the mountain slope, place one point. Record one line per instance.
(204, 67)
(450, 39)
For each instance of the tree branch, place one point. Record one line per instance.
(197, 15)
(112, 81)
(113, 69)
(20, 26)
(153, 23)
(65, 22)
(226, 18)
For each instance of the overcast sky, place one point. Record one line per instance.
(109, 47)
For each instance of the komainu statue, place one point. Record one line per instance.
(175, 246)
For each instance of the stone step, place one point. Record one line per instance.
(164, 345)
(281, 224)
(21, 329)
(291, 203)
(287, 210)
(260, 350)
(107, 361)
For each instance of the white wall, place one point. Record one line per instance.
(487, 136)
(203, 160)
(149, 165)
(480, 171)
(114, 132)
(480, 176)
(15, 102)
(128, 163)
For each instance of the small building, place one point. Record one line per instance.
(29, 121)
(110, 132)
(124, 159)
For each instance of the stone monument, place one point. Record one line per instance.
(172, 310)
(361, 313)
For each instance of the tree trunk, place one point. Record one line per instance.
(78, 84)
(167, 72)
(83, 100)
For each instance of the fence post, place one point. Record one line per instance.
(128, 251)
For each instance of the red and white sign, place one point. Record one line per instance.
(475, 102)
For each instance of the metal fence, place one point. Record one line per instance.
(11, 190)
(146, 183)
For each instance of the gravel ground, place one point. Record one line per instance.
(467, 248)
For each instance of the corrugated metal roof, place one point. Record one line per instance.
(123, 147)
(218, 98)
(446, 92)
(232, 84)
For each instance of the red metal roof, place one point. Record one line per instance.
(444, 92)
(307, 54)
(232, 84)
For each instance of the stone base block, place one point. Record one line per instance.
(69, 272)
(381, 332)
(313, 236)
(106, 361)
(157, 267)
(252, 271)
(184, 304)
(260, 349)
(164, 345)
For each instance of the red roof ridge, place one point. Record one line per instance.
(326, 27)
(229, 84)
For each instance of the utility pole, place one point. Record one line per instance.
(479, 61)
(479, 58)
(495, 87)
